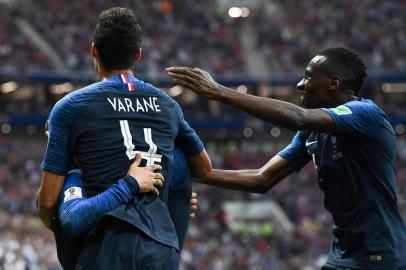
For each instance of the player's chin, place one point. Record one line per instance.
(302, 102)
(305, 103)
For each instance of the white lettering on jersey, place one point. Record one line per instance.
(139, 106)
(129, 104)
(135, 105)
(113, 103)
(157, 109)
(120, 106)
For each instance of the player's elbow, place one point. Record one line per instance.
(265, 183)
(46, 206)
(45, 212)
(206, 172)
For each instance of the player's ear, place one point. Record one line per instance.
(138, 55)
(335, 82)
(94, 51)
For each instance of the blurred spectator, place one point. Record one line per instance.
(293, 31)
(199, 33)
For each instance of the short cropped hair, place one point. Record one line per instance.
(117, 38)
(348, 64)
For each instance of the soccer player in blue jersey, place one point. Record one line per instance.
(102, 127)
(352, 146)
(78, 214)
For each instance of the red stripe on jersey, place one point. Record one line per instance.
(125, 79)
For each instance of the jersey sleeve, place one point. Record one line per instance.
(181, 170)
(79, 214)
(356, 117)
(296, 152)
(180, 194)
(61, 127)
(187, 138)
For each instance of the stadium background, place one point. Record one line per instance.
(260, 47)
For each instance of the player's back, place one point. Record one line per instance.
(115, 123)
(118, 117)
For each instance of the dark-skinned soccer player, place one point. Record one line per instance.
(351, 143)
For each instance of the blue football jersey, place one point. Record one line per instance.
(356, 173)
(101, 128)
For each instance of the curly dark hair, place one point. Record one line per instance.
(348, 64)
(117, 38)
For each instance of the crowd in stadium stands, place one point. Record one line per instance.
(17, 52)
(201, 33)
(174, 33)
(374, 28)
(26, 244)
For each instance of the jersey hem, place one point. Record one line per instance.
(53, 170)
(159, 240)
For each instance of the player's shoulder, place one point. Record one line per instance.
(79, 97)
(359, 105)
(148, 88)
(152, 89)
(358, 108)
(80, 93)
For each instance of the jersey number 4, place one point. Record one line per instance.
(150, 156)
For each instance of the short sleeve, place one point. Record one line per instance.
(61, 126)
(296, 152)
(181, 170)
(187, 138)
(361, 117)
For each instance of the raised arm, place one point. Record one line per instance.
(257, 180)
(271, 110)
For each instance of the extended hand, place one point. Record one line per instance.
(147, 178)
(193, 205)
(198, 80)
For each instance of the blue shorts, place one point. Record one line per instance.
(119, 245)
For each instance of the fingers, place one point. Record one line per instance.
(155, 191)
(182, 76)
(193, 205)
(176, 69)
(185, 73)
(137, 160)
(186, 70)
(158, 176)
(158, 183)
(156, 167)
(184, 83)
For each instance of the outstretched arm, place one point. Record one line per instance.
(257, 180)
(278, 112)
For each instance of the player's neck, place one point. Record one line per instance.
(342, 99)
(103, 74)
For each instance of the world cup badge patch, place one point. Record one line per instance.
(72, 193)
